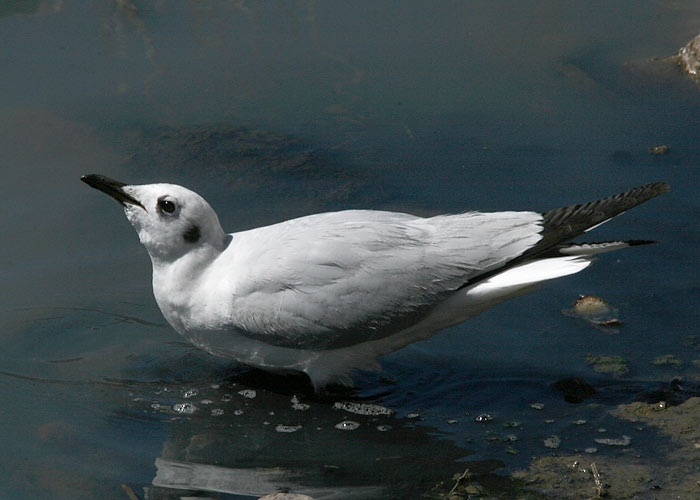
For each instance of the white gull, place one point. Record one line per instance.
(329, 293)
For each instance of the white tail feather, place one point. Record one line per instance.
(531, 273)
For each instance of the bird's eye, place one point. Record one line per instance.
(166, 206)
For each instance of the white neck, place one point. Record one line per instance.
(173, 282)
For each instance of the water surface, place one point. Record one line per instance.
(292, 108)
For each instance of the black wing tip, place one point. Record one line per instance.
(626, 200)
(565, 223)
(603, 209)
(661, 186)
(649, 191)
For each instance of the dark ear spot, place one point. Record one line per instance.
(192, 235)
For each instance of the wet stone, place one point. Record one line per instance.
(287, 428)
(248, 393)
(552, 442)
(185, 408)
(190, 393)
(347, 425)
(574, 389)
(298, 405)
(362, 408)
(623, 441)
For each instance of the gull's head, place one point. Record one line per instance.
(171, 220)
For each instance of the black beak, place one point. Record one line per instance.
(110, 187)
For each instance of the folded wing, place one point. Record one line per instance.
(331, 280)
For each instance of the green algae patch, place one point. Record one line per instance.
(613, 365)
(667, 360)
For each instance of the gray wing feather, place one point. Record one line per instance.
(324, 281)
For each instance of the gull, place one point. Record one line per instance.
(330, 293)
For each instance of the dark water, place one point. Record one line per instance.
(296, 107)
